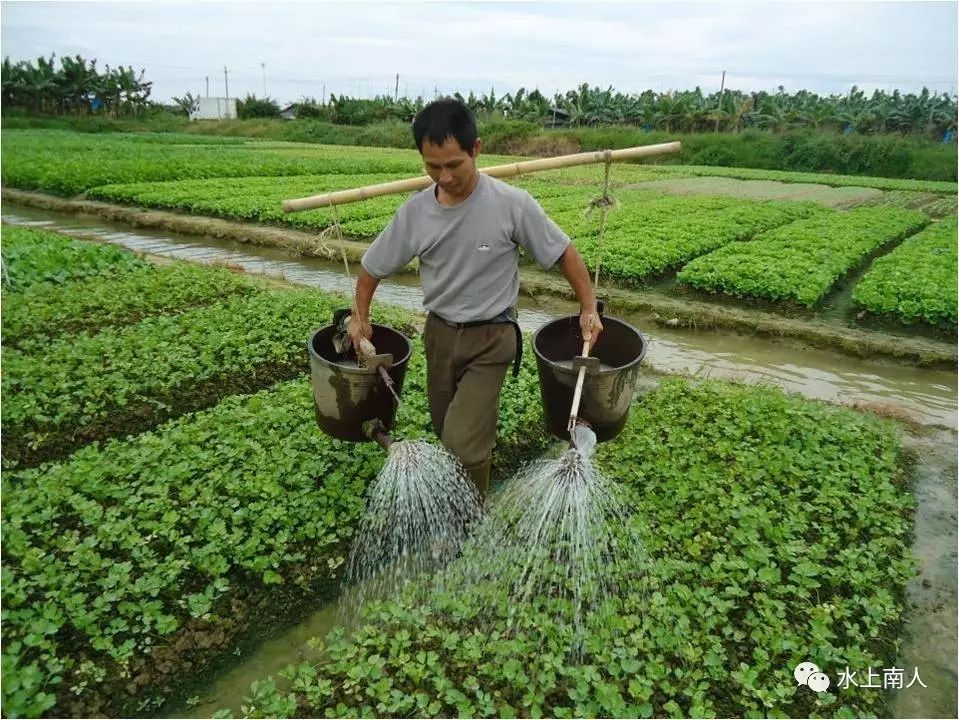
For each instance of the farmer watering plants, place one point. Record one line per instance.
(467, 229)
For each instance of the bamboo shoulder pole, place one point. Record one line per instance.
(342, 197)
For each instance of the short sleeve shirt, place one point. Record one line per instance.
(469, 252)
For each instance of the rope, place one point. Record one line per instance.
(604, 203)
(346, 262)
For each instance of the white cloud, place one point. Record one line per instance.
(358, 47)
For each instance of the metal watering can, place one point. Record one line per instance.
(610, 380)
(354, 402)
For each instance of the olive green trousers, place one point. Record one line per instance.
(465, 369)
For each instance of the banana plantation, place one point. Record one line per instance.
(75, 87)
(924, 114)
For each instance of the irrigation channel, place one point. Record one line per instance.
(926, 397)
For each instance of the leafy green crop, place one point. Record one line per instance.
(111, 552)
(917, 280)
(949, 188)
(32, 257)
(259, 198)
(43, 313)
(67, 163)
(650, 234)
(128, 379)
(776, 531)
(803, 260)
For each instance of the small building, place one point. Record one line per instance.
(288, 113)
(557, 118)
(214, 108)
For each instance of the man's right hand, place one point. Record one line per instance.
(358, 329)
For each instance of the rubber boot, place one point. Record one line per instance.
(479, 474)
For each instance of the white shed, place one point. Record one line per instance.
(214, 108)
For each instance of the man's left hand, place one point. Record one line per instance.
(591, 326)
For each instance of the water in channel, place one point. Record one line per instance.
(927, 396)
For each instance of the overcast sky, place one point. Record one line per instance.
(297, 49)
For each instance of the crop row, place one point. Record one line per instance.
(651, 236)
(46, 313)
(802, 261)
(879, 183)
(126, 379)
(37, 257)
(916, 282)
(258, 199)
(774, 532)
(64, 163)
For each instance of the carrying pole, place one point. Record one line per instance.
(342, 197)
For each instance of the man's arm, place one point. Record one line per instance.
(359, 326)
(573, 267)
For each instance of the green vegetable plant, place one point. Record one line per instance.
(40, 257)
(802, 261)
(916, 282)
(774, 530)
(43, 313)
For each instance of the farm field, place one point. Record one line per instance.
(140, 570)
(668, 223)
(117, 590)
(803, 260)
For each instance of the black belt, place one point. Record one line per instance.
(507, 317)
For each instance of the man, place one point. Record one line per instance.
(466, 229)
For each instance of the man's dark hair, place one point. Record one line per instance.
(442, 119)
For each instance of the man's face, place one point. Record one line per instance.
(450, 167)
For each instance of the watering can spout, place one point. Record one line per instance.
(374, 430)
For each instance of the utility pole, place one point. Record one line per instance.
(722, 93)
(396, 91)
(208, 86)
(226, 85)
(263, 67)
(323, 98)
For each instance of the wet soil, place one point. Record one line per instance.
(931, 631)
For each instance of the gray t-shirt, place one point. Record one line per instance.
(468, 252)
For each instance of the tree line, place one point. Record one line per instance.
(922, 113)
(76, 86)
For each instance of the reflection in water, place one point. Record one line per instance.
(928, 396)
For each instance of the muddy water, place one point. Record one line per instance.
(926, 396)
(229, 690)
(931, 634)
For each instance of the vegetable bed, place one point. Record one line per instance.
(131, 567)
(32, 257)
(776, 531)
(801, 261)
(45, 313)
(127, 379)
(916, 282)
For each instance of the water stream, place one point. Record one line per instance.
(926, 396)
